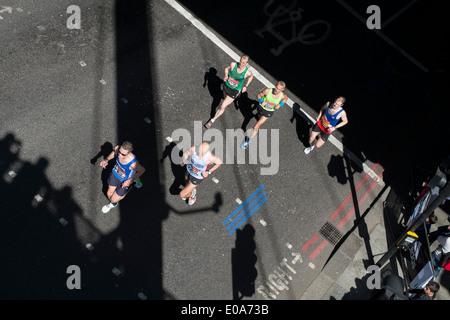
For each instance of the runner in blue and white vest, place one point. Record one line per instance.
(198, 161)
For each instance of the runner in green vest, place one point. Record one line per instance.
(235, 75)
(270, 99)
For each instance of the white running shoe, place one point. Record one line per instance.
(308, 150)
(192, 197)
(108, 207)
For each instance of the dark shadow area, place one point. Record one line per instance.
(143, 210)
(336, 169)
(177, 170)
(243, 260)
(302, 124)
(39, 240)
(322, 51)
(246, 106)
(214, 84)
(105, 150)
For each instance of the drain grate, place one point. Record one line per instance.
(331, 233)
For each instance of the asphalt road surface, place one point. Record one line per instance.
(150, 72)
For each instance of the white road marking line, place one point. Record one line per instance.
(311, 265)
(169, 139)
(215, 180)
(239, 201)
(263, 222)
(202, 28)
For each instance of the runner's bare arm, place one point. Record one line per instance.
(344, 120)
(139, 172)
(249, 76)
(186, 155)
(262, 94)
(217, 163)
(284, 100)
(227, 69)
(104, 163)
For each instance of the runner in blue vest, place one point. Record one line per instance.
(331, 117)
(235, 75)
(123, 175)
(197, 160)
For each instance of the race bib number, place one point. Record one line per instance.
(119, 171)
(270, 105)
(325, 122)
(233, 83)
(193, 169)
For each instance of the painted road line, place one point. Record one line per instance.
(250, 206)
(243, 204)
(318, 250)
(360, 201)
(247, 216)
(349, 197)
(310, 242)
(203, 29)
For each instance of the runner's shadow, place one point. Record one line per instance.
(214, 84)
(303, 124)
(243, 260)
(105, 150)
(336, 168)
(246, 105)
(177, 170)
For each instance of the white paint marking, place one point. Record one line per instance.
(142, 296)
(82, 63)
(116, 271)
(169, 139)
(202, 28)
(289, 245)
(103, 82)
(311, 265)
(147, 120)
(239, 201)
(63, 221)
(215, 180)
(263, 222)
(38, 198)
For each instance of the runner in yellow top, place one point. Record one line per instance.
(270, 99)
(235, 75)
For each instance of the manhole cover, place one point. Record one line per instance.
(331, 233)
